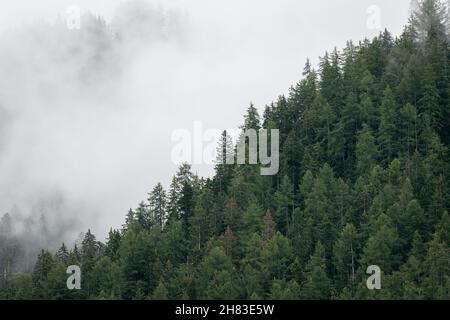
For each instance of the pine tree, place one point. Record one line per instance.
(269, 228)
(409, 129)
(348, 126)
(202, 221)
(429, 19)
(105, 279)
(157, 205)
(317, 285)
(89, 248)
(387, 134)
(129, 219)
(113, 244)
(173, 198)
(367, 111)
(75, 256)
(366, 151)
(331, 84)
(218, 277)
(144, 218)
(252, 119)
(284, 202)
(62, 255)
(161, 292)
(429, 102)
(224, 163)
(179, 193)
(345, 255)
(436, 283)
(277, 256)
(252, 219)
(381, 248)
(42, 268)
(304, 93)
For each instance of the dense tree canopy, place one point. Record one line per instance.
(363, 180)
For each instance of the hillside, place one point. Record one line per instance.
(363, 180)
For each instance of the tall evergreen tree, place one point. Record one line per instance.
(387, 134)
(158, 203)
(317, 285)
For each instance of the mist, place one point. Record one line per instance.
(86, 116)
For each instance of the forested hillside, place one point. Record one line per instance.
(363, 180)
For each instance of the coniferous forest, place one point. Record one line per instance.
(363, 180)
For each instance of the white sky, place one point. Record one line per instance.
(243, 50)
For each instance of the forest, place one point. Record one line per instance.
(363, 180)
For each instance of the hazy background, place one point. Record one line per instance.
(86, 122)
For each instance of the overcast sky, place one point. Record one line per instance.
(239, 51)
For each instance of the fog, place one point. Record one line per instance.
(86, 116)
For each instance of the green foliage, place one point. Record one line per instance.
(364, 171)
(317, 285)
(366, 151)
(218, 278)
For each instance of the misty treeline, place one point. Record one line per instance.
(363, 180)
(45, 66)
(39, 55)
(24, 233)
